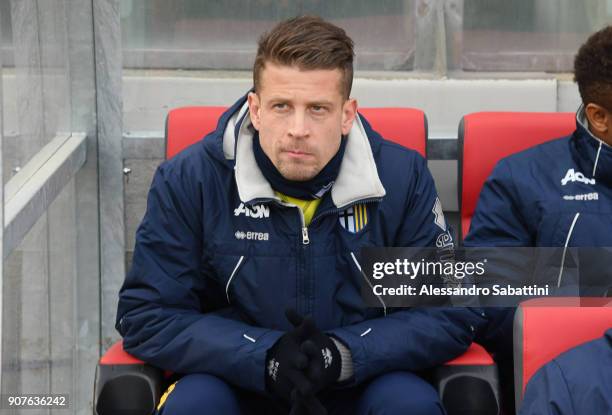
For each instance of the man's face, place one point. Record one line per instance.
(301, 116)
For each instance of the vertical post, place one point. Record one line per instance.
(87, 280)
(26, 271)
(108, 64)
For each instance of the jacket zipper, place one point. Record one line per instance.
(302, 263)
(302, 277)
(305, 237)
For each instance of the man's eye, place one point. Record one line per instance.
(280, 106)
(317, 109)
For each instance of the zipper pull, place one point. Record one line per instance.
(305, 239)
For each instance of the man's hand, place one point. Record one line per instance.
(324, 361)
(287, 364)
(302, 362)
(301, 403)
(323, 364)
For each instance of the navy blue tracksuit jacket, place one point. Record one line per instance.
(557, 194)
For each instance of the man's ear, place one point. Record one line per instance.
(599, 119)
(254, 109)
(349, 112)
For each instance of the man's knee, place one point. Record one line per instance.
(400, 393)
(199, 394)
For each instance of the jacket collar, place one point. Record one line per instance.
(593, 155)
(357, 179)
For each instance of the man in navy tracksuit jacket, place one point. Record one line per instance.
(221, 254)
(558, 194)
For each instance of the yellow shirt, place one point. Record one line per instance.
(308, 207)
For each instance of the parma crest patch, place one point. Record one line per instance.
(354, 219)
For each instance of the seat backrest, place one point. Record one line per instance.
(406, 126)
(487, 137)
(187, 125)
(547, 327)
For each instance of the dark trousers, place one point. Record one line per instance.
(389, 394)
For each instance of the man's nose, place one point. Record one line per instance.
(298, 125)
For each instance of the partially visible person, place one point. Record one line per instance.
(576, 382)
(557, 194)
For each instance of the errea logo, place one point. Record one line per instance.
(575, 176)
(585, 196)
(255, 211)
(252, 236)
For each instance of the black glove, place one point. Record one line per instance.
(286, 363)
(324, 361)
(302, 404)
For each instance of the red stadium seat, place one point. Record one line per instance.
(547, 327)
(119, 374)
(405, 126)
(117, 356)
(487, 137)
(187, 125)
